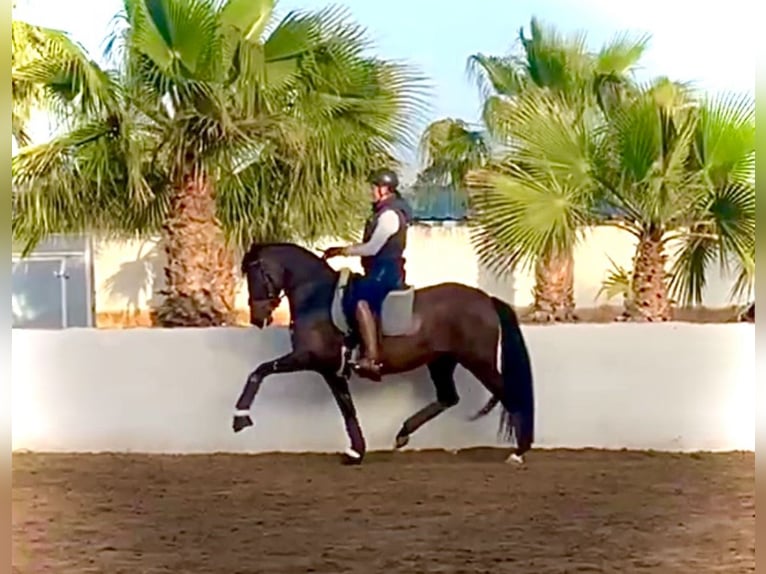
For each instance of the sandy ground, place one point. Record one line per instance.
(566, 511)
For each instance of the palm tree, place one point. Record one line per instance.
(670, 167)
(533, 204)
(682, 170)
(215, 125)
(555, 79)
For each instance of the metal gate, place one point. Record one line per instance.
(52, 288)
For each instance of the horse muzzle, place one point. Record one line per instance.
(261, 323)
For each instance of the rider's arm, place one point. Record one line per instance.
(388, 224)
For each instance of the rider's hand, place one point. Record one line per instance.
(333, 252)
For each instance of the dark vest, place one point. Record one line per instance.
(393, 248)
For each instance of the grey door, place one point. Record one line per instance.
(76, 287)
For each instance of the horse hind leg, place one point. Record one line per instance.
(488, 375)
(442, 372)
(486, 409)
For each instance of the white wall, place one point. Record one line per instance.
(665, 387)
(127, 274)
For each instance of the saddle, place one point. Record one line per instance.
(397, 317)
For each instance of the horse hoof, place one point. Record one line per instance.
(515, 459)
(402, 441)
(241, 422)
(351, 457)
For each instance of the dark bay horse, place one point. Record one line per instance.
(453, 325)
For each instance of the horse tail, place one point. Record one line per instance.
(518, 418)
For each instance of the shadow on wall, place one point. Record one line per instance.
(135, 283)
(126, 298)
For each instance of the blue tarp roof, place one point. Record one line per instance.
(437, 203)
(445, 203)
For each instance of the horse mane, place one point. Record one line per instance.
(256, 249)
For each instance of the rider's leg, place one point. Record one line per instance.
(368, 329)
(372, 290)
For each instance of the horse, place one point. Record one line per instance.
(450, 324)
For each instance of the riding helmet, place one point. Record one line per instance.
(385, 177)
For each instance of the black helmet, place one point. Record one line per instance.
(385, 177)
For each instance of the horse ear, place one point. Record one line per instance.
(248, 258)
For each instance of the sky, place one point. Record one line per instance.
(713, 47)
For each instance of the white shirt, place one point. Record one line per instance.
(388, 224)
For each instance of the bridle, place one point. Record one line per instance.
(273, 294)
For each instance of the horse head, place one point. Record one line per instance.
(274, 270)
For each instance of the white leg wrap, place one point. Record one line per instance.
(515, 458)
(342, 360)
(242, 412)
(351, 453)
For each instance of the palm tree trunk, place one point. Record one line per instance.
(199, 274)
(650, 286)
(554, 289)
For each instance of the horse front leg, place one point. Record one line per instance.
(342, 394)
(289, 363)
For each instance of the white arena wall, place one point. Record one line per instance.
(676, 387)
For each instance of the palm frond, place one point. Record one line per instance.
(618, 283)
(744, 283)
(521, 215)
(689, 272)
(724, 231)
(496, 75)
(249, 17)
(181, 37)
(552, 138)
(84, 182)
(725, 138)
(621, 54)
(646, 149)
(450, 149)
(59, 76)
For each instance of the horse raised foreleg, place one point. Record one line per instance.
(289, 363)
(442, 374)
(340, 391)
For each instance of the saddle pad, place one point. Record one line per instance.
(336, 309)
(396, 314)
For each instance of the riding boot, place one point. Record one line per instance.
(368, 364)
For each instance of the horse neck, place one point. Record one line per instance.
(308, 282)
(303, 270)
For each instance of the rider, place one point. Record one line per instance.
(382, 253)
